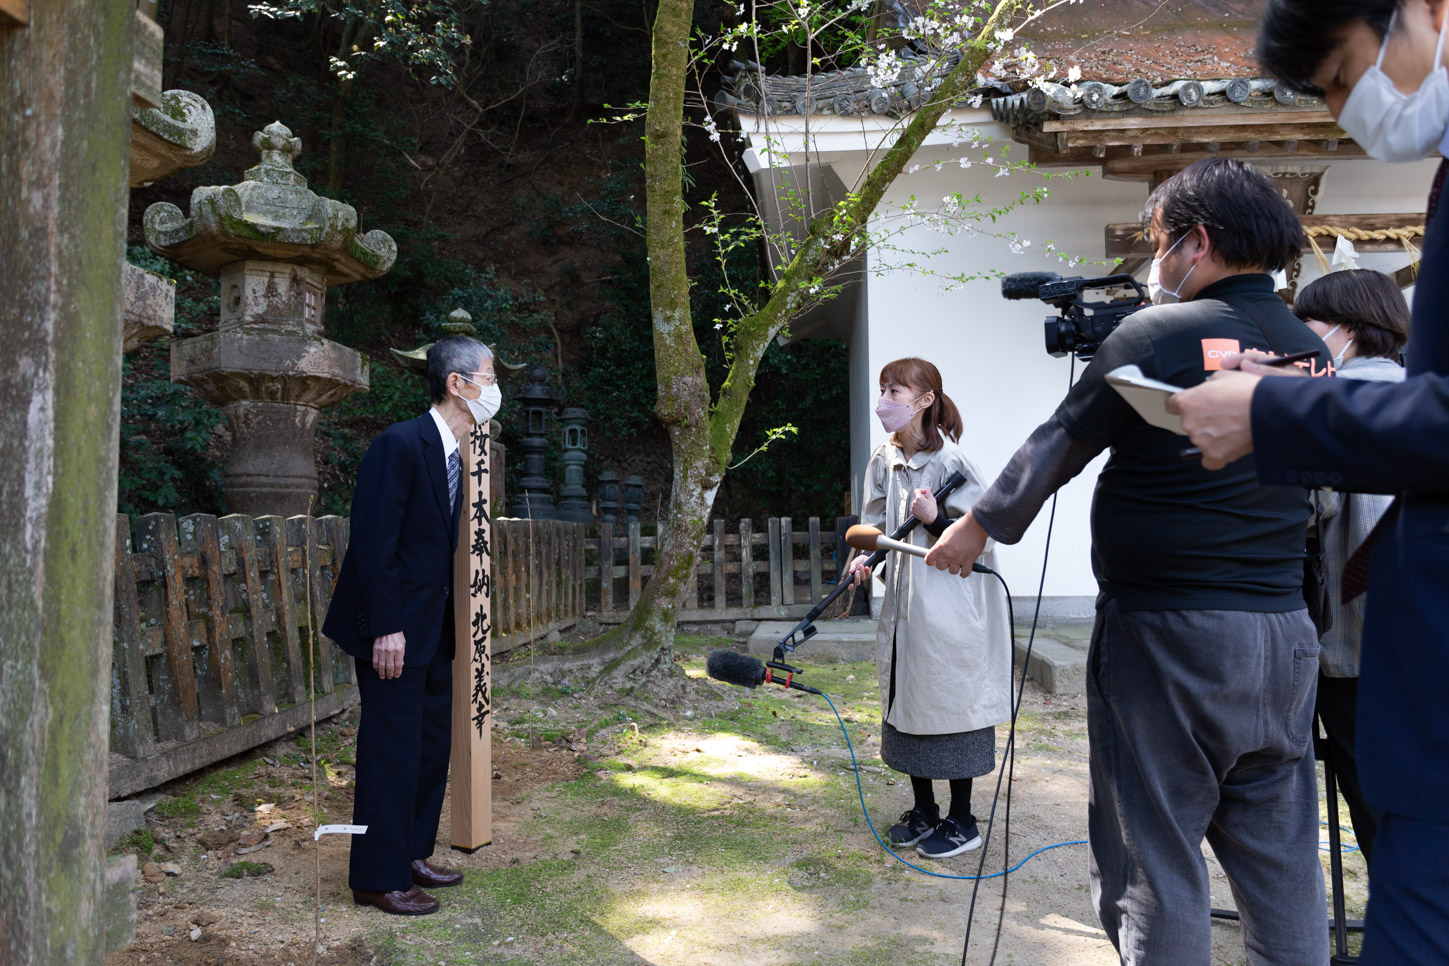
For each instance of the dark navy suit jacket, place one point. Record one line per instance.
(1388, 438)
(397, 574)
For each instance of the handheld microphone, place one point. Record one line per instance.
(1026, 285)
(863, 537)
(731, 667)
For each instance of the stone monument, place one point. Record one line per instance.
(573, 502)
(534, 500)
(276, 247)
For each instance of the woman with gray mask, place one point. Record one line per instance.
(1363, 319)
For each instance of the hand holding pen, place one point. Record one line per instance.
(1276, 365)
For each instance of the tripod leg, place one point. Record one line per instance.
(1335, 860)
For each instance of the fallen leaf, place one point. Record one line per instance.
(277, 827)
(255, 848)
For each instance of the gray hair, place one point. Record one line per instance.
(456, 353)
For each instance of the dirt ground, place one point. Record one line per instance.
(723, 830)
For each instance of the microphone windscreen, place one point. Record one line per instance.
(732, 667)
(1026, 285)
(863, 537)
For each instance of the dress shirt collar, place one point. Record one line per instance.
(450, 442)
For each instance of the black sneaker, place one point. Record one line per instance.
(949, 838)
(913, 826)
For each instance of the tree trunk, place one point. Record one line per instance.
(356, 33)
(577, 113)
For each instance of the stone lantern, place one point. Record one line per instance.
(573, 504)
(538, 404)
(633, 497)
(608, 493)
(276, 247)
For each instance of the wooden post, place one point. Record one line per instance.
(775, 555)
(238, 530)
(271, 532)
(472, 757)
(636, 577)
(787, 562)
(606, 568)
(181, 718)
(131, 730)
(747, 566)
(815, 580)
(719, 564)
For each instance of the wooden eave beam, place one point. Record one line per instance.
(1236, 118)
(1124, 240)
(1176, 134)
(14, 13)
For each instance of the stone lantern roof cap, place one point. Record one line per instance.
(272, 216)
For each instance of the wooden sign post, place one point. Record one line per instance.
(472, 757)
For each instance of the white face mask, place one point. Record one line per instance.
(1158, 294)
(1392, 126)
(1338, 359)
(486, 406)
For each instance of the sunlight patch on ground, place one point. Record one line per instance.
(695, 770)
(704, 929)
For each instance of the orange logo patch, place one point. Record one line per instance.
(1213, 351)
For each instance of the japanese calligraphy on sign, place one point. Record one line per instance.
(472, 768)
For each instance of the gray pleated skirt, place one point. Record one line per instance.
(965, 754)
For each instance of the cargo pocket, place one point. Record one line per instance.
(1298, 722)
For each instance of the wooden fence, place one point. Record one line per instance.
(742, 573)
(211, 646)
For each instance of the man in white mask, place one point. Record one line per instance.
(1380, 64)
(392, 612)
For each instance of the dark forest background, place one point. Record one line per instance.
(507, 198)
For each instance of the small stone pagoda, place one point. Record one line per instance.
(276, 247)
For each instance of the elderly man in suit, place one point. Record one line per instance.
(392, 612)
(1380, 64)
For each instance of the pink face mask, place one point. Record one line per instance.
(894, 416)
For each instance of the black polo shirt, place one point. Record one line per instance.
(1166, 533)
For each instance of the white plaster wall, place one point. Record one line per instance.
(991, 352)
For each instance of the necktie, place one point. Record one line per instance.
(455, 476)
(1356, 568)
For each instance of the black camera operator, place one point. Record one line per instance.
(1201, 676)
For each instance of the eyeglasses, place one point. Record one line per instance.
(486, 378)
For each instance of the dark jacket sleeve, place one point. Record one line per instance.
(1365, 437)
(378, 505)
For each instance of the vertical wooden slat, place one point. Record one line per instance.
(636, 564)
(302, 535)
(132, 731)
(776, 582)
(606, 568)
(156, 533)
(205, 536)
(787, 562)
(747, 566)
(238, 530)
(815, 560)
(335, 530)
(271, 534)
(719, 564)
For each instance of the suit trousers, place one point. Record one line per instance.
(1198, 726)
(403, 742)
(1408, 910)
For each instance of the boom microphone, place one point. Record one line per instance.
(1026, 285)
(731, 667)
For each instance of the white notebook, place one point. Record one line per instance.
(1147, 396)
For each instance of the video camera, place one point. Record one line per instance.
(1082, 324)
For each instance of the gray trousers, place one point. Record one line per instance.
(1199, 723)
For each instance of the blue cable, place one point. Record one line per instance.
(1343, 849)
(866, 812)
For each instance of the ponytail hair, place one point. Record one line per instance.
(941, 416)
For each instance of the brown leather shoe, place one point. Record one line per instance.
(413, 902)
(434, 876)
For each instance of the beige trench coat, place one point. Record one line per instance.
(952, 636)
